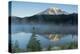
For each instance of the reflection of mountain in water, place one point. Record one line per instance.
(54, 37)
(23, 38)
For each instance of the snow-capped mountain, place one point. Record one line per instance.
(52, 11)
(50, 15)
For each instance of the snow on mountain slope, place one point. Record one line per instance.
(52, 11)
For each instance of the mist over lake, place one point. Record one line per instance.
(23, 32)
(45, 28)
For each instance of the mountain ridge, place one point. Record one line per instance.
(52, 11)
(50, 15)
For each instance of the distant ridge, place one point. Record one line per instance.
(50, 15)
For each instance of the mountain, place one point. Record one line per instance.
(50, 15)
(52, 11)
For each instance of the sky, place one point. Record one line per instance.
(23, 9)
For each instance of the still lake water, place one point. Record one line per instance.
(22, 33)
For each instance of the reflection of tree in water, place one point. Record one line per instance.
(34, 44)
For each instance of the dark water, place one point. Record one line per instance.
(22, 33)
(43, 28)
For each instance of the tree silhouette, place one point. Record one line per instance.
(49, 47)
(33, 44)
(15, 47)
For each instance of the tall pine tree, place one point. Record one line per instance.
(16, 48)
(34, 44)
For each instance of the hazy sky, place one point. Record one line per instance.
(22, 9)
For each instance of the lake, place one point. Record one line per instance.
(45, 28)
(23, 33)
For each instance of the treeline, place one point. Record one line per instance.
(56, 19)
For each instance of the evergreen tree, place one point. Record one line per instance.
(49, 47)
(16, 44)
(16, 47)
(34, 44)
(12, 48)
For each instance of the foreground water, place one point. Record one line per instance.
(23, 39)
(22, 33)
